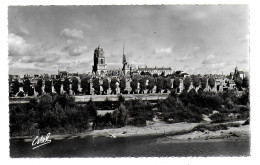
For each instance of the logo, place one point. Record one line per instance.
(40, 141)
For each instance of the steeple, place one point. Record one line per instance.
(124, 58)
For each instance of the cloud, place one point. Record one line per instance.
(189, 56)
(163, 50)
(23, 30)
(17, 45)
(72, 50)
(211, 59)
(74, 33)
(184, 58)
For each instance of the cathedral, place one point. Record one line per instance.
(99, 67)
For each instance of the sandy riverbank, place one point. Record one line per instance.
(172, 132)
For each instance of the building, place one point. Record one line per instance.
(99, 67)
(158, 70)
(236, 74)
(62, 73)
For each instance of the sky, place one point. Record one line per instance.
(194, 38)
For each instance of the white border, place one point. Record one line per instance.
(254, 73)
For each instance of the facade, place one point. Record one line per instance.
(158, 70)
(99, 67)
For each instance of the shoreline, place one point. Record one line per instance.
(172, 132)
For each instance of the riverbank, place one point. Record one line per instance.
(173, 132)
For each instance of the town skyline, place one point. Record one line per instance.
(195, 39)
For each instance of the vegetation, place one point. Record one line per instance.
(48, 86)
(57, 86)
(105, 86)
(133, 85)
(203, 83)
(151, 85)
(57, 114)
(113, 85)
(159, 84)
(75, 85)
(167, 84)
(85, 84)
(211, 82)
(196, 82)
(96, 86)
(122, 85)
(187, 83)
(176, 83)
(142, 86)
(66, 85)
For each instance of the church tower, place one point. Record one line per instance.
(126, 68)
(99, 67)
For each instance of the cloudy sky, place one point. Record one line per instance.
(196, 39)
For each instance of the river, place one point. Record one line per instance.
(139, 146)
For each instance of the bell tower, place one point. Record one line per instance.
(99, 67)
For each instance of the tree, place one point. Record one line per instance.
(187, 83)
(167, 84)
(91, 108)
(57, 86)
(85, 84)
(142, 82)
(239, 82)
(133, 85)
(151, 85)
(105, 86)
(96, 85)
(113, 85)
(66, 85)
(120, 115)
(159, 84)
(142, 73)
(48, 86)
(196, 82)
(20, 94)
(176, 83)
(26, 86)
(211, 82)
(155, 75)
(38, 87)
(31, 91)
(15, 87)
(203, 83)
(75, 85)
(122, 85)
(245, 83)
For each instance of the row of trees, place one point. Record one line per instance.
(161, 83)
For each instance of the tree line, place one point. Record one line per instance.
(162, 84)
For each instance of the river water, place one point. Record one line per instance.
(142, 146)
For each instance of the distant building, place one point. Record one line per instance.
(236, 74)
(158, 70)
(99, 67)
(62, 73)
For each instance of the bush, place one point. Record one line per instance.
(218, 117)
